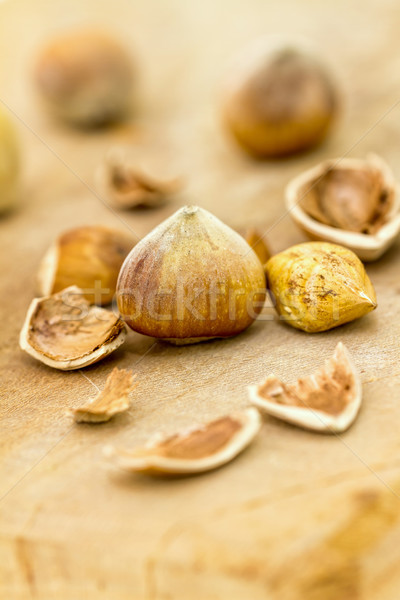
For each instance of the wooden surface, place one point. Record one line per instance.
(298, 515)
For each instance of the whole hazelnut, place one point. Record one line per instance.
(191, 279)
(279, 100)
(85, 77)
(9, 163)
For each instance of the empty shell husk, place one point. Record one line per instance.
(327, 401)
(64, 332)
(193, 451)
(348, 201)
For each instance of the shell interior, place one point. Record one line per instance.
(195, 450)
(328, 400)
(65, 332)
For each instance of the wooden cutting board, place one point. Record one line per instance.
(298, 515)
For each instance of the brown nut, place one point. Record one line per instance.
(350, 202)
(317, 286)
(89, 257)
(191, 279)
(194, 451)
(64, 332)
(85, 77)
(328, 401)
(279, 100)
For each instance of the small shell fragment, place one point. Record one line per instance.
(193, 451)
(327, 401)
(256, 241)
(348, 201)
(113, 399)
(126, 186)
(65, 332)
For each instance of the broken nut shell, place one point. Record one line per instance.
(111, 400)
(194, 451)
(64, 332)
(89, 257)
(350, 202)
(327, 401)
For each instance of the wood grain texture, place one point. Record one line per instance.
(298, 515)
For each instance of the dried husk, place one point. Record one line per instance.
(196, 450)
(64, 332)
(327, 401)
(191, 279)
(317, 286)
(89, 257)
(111, 400)
(348, 201)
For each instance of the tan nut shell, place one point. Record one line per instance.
(318, 286)
(126, 186)
(278, 100)
(64, 332)
(85, 77)
(256, 240)
(327, 401)
(352, 198)
(196, 450)
(89, 257)
(111, 400)
(192, 278)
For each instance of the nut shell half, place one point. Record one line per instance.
(191, 279)
(89, 257)
(327, 401)
(350, 202)
(194, 451)
(64, 332)
(317, 286)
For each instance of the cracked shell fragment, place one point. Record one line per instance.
(111, 400)
(193, 451)
(327, 401)
(128, 186)
(317, 286)
(63, 331)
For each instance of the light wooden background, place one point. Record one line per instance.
(298, 515)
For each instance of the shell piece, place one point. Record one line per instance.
(317, 286)
(348, 201)
(194, 451)
(256, 240)
(126, 186)
(192, 278)
(65, 332)
(89, 257)
(279, 99)
(85, 77)
(9, 163)
(113, 399)
(328, 400)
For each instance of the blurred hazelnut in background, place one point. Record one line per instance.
(9, 163)
(278, 99)
(85, 77)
